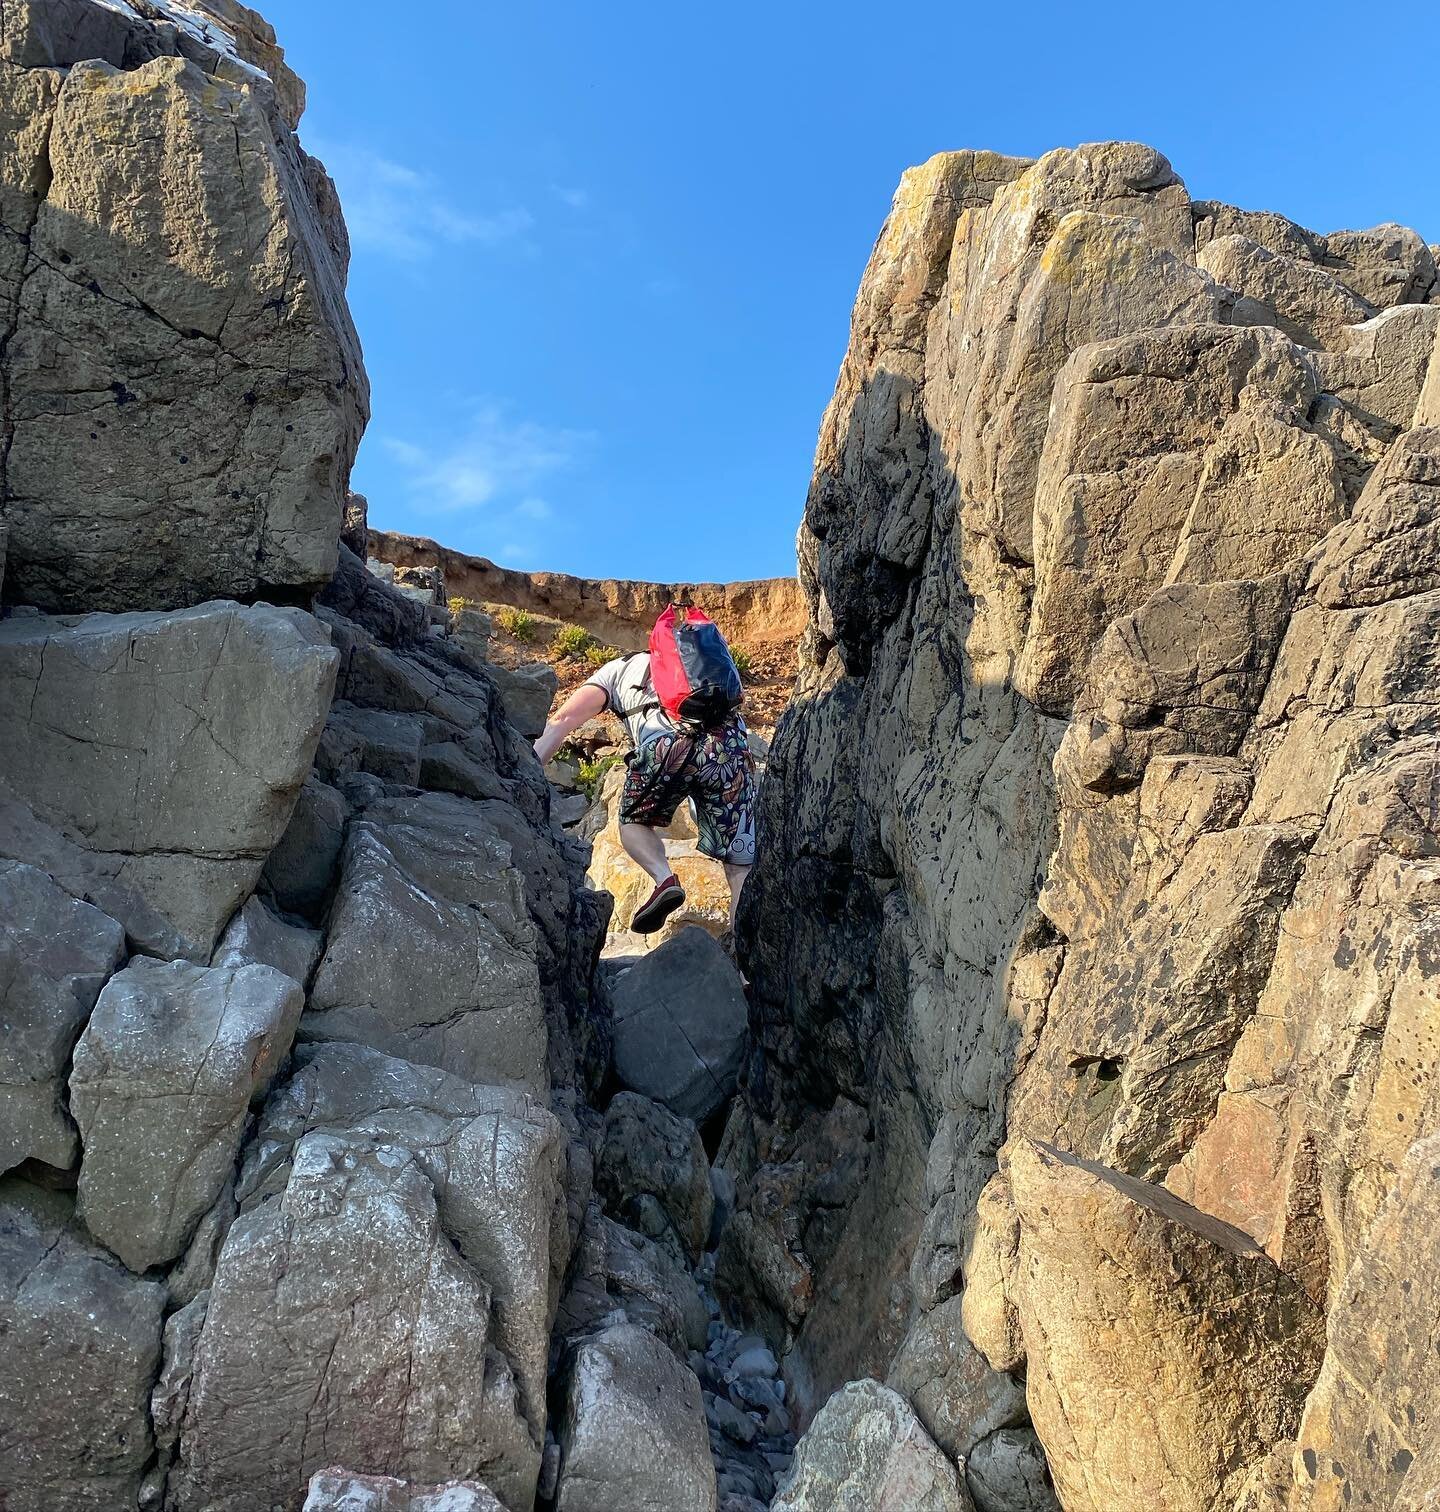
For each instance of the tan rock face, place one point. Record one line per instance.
(1101, 839)
(178, 352)
(1144, 1313)
(617, 611)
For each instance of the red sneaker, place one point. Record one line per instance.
(652, 913)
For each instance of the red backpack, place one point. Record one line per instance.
(693, 672)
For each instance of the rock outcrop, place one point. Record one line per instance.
(1097, 849)
(176, 353)
(1089, 1068)
(616, 611)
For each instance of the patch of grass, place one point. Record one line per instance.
(571, 643)
(741, 657)
(517, 624)
(592, 774)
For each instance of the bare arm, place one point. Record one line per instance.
(584, 703)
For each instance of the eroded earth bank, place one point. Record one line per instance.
(1077, 1144)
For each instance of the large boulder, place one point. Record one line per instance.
(431, 953)
(163, 1079)
(183, 364)
(680, 1020)
(350, 1280)
(1113, 1273)
(151, 761)
(495, 1157)
(56, 953)
(649, 1156)
(957, 1395)
(632, 1430)
(82, 1346)
(867, 1450)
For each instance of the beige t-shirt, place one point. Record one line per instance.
(630, 696)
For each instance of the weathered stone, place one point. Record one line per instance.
(1380, 1384)
(355, 528)
(955, 1393)
(649, 1151)
(377, 741)
(495, 1158)
(1379, 367)
(221, 356)
(303, 866)
(1007, 1473)
(527, 693)
(1387, 549)
(166, 750)
(632, 1430)
(680, 1022)
(82, 1346)
(349, 1279)
(1124, 479)
(163, 1077)
(1106, 1258)
(616, 1269)
(867, 1449)
(55, 955)
(1388, 265)
(1309, 304)
(431, 953)
(258, 937)
(343, 1491)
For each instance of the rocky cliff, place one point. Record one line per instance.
(1092, 941)
(331, 1172)
(1089, 1142)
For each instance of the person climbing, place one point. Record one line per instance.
(680, 705)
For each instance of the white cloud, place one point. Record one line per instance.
(576, 199)
(404, 213)
(494, 463)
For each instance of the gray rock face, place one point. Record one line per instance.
(866, 1449)
(632, 1430)
(303, 866)
(55, 955)
(494, 1157)
(527, 693)
(348, 1277)
(342, 1491)
(431, 952)
(82, 1346)
(680, 1020)
(163, 1077)
(1007, 1473)
(649, 1152)
(163, 752)
(256, 936)
(183, 361)
(958, 1397)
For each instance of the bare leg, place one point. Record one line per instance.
(735, 876)
(646, 849)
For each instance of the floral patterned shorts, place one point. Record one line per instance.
(716, 770)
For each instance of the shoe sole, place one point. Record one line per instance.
(649, 918)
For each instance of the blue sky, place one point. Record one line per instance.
(604, 255)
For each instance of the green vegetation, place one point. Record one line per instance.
(571, 643)
(592, 774)
(517, 624)
(597, 655)
(741, 657)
